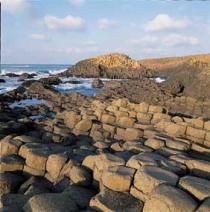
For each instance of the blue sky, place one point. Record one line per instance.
(66, 31)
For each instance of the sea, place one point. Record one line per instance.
(68, 85)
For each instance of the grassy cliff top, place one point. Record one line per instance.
(201, 62)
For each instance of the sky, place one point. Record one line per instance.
(66, 31)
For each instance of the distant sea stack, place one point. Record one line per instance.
(113, 66)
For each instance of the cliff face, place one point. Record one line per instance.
(164, 65)
(109, 66)
(194, 74)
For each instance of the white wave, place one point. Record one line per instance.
(7, 89)
(18, 72)
(70, 86)
(159, 80)
(56, 71)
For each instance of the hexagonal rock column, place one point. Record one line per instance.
(205, 206)
(169, 199)
(111, 201)
(11, 163)
(149, 177)
(118, 178)
(198, 187)
(55, 163)
(9, 146)
(49, 202)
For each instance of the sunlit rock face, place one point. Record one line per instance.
(118, 66)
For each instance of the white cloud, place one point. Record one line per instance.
(177, 39)
(165, 22)
(77, 3)
(148, 39)
(105, 23)
(39, 37)
(69, 22)
(15, 6)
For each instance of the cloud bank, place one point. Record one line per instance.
(165, 22)
(69, 22)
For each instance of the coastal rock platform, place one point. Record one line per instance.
(105, 156)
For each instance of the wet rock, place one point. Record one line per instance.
(51, 80)
(11, 75)
(75, 82)
(2, 81)
(97, 83)
(25, 76)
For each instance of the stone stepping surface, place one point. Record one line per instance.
(108, 156)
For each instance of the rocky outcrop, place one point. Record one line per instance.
(107, 156)
(113, 66)
(2, 81)
(25, 76)
(169, 95)
(192, 72)
(97, 83)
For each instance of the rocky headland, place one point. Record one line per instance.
(138, 145)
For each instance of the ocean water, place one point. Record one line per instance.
(68, 85)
